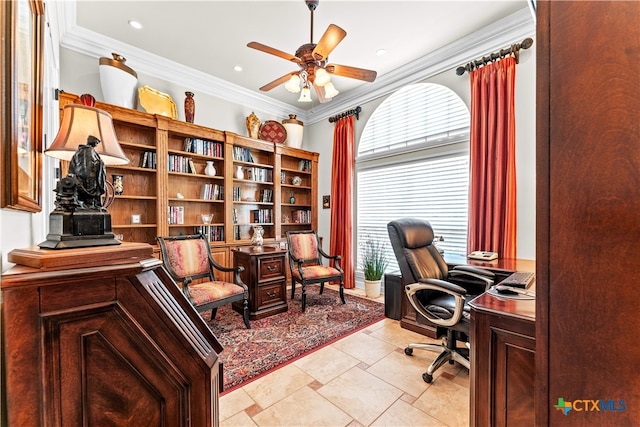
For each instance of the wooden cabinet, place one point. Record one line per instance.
(102, 336)
(166, 184)
(265, 275)
(502, 357)
(587, 209)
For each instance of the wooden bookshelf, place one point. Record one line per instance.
(165, 182)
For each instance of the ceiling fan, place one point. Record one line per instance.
(312, 59)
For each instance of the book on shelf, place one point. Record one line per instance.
(262, 215)
(300, 216)
(211, 192)
(203, 147)
(213, 233)
(242, 154)
(192, 166)
(176, 215)
(304, 165)
(148, 160)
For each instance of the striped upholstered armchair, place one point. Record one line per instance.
(189, 261)
(306, 264)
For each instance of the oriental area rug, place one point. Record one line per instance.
(285, 337)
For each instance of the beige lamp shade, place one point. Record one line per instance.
(80, 121)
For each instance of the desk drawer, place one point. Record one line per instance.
(270, 268)
(270, 294)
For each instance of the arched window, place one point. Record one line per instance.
(413, 161)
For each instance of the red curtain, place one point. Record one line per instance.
(342, 177)
(492, 198)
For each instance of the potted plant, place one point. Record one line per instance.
(374, 262)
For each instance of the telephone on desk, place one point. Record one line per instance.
(483, 255)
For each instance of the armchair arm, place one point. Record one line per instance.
(335, 258)
(456, 291)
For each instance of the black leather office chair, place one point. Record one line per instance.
(432, 293)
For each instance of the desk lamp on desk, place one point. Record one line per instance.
(88, 141)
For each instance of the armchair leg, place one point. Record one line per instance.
(214, 311)
(245, 313)
(342, 292)
(304, 297)
(293, 288)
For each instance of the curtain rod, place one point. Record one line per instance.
(513, 49)
(354, 112)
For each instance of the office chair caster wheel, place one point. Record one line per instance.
(427, 378)
(408, 351)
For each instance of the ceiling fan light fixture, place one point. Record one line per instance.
(305, 94)
(293, 85)
(330, 91)
(322, 77)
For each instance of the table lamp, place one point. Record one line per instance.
(88, 141)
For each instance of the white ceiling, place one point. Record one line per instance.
(209, 38)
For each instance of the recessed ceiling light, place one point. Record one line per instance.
(237, 68)
(381, 52)
(135, 24)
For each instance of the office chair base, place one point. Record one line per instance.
(460, 355)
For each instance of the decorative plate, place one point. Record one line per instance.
(272, 131)
(155, 102)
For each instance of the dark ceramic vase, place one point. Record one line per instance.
(189, 107)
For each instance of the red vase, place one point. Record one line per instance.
(189, 107)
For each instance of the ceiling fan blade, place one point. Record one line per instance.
(277, 82)
(352, 72)
(320, 93)
(272, 51)
(328, 42)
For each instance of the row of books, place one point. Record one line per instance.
(258, 174)
(242, 154)
(212, 192)
(204, 147)
(148, 160)
(181, 164)
(176, 215)
(304, 165)
(300, 216)
(213, 233)
(266, 195)
(264, 216)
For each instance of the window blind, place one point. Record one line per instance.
(410, 164)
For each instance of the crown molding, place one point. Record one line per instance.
(506, 31)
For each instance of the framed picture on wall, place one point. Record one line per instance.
(22, 27)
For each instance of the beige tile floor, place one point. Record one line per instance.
(364, 379)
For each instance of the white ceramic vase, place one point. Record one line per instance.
(295, 130)
(210, 170)
(118, 81)
(239, 173)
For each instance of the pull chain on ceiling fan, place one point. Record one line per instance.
(312, 59)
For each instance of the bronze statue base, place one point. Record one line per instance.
(79, 229)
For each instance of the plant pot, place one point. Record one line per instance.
(372, 288)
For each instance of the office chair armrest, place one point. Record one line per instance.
(456, 291)
(485, 276)
(443, 285)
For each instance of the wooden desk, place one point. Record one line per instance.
(502, 361)
(502, 267)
